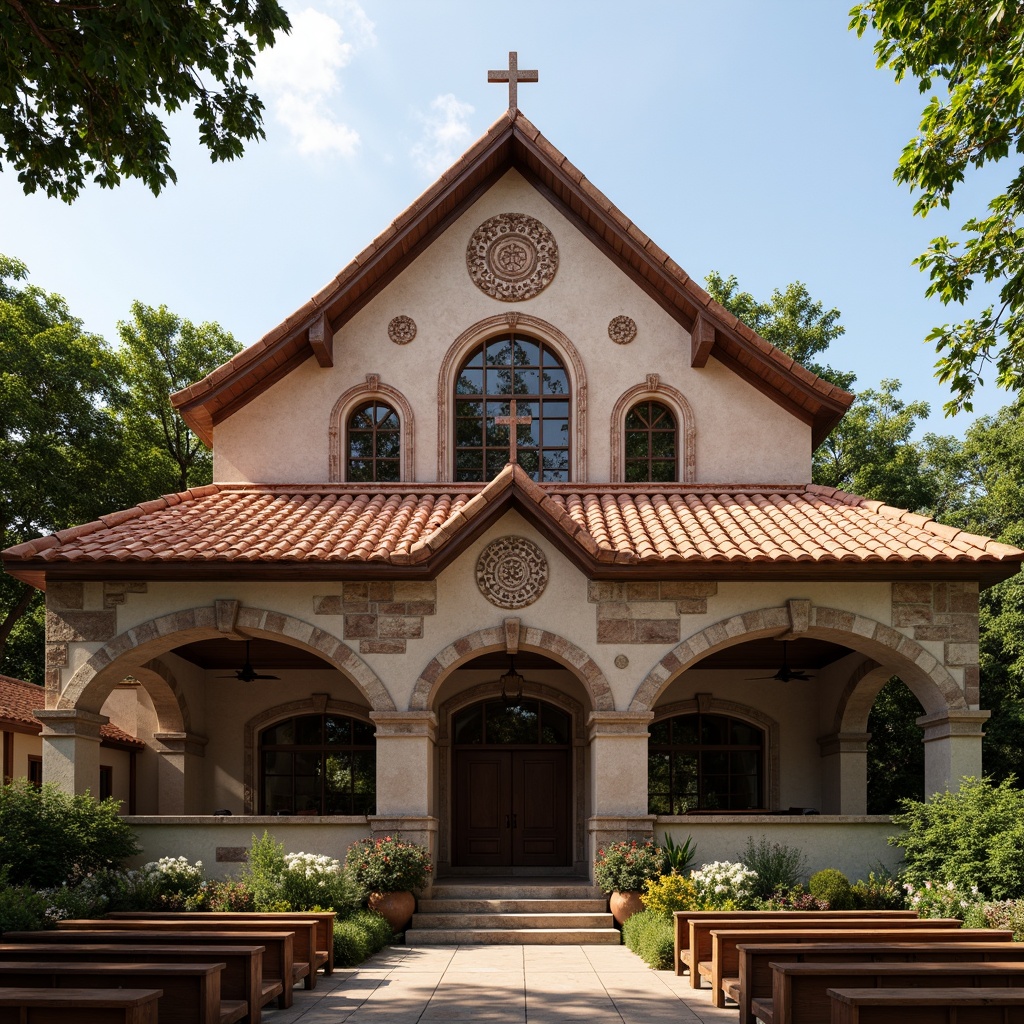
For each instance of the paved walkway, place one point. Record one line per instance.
(502, 985)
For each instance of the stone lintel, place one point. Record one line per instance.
(942, 725)
(181, 743)
(405, 724)
(620, 828)
(619, 724)
(71, 722)
(844, 743)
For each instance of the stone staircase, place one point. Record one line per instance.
(509, 912)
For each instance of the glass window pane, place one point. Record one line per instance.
(661, 416)
(389, 470)
(659, 804)
(513, 723)
(530, 461)
(745, 762)
(663, 444)
(496, 461)
(499, 352)
(714, 729)
(637, 472)
(360, 445)
(360, 471)
(364, 734)
(714, 763)
(282, 733)
(277, 794)
(744, 734)
(468, 726)
(527, 352)
(555, 432)
(684, 729)
(388, 446)
(277, 762)
(470, 382)
(361, 419)
(660, 733)
(307, 764)
(337, 730)
(637, 444)
(556, 382)
(663, 471)
(659, 775)
(527, 382)
(554, 725)
(636, 418)
(308, 730)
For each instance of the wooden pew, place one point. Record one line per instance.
(800, 991)
(682, 919)
(78, 1005)
(324, 924)
(304, 943)
(278, 953)
(242, 977)
(939, 1005)
(723, 969)
(755, 960)
(699, 950)
(191, 992)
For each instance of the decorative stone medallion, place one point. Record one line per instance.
(512, 572)
(622, 329)
(402, 330)
(621, 661)
(512, 257)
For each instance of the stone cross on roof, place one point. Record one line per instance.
(513, 76)
(513, 422)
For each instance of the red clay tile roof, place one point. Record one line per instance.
(512, 142)
(417, 528)
(20, 700)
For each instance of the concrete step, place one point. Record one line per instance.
(489, 891)
(510, 906)
(512, 936)
(511, 921)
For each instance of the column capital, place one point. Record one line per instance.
(843, 743)
(181, 743)
(619, 723)
(405, 723)
(941, 725)
(71, 722)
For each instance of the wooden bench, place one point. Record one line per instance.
(723, 969)
(700, 944)
(303, 946)
(79, 1005)
(324, 924)
(278, 946)
(242, 977)
(940, 1005)
(682, 919)
(755, 960)
(800, 991)
(191, 992)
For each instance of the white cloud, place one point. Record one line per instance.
(299, 77)
(446, 134)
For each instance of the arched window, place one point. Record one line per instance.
(318, 764)
(374, 440)
(704, 762)
(505, 367)
(650, 443)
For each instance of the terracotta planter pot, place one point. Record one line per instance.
(624, 905)
(395, 907)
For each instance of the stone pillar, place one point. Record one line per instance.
(844, 773)
(618, 778)
(180, 788)
(71, 749)
(952, 748)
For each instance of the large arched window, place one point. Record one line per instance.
(704, 762)
(505, 367)
(318, 764)
(374, 443)
(650, 443)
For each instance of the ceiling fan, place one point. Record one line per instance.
(786, 674)
(246, 674)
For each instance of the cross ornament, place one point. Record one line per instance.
(513, 422)
(513, 76)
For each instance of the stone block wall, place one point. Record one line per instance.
(646, 612)
(381, 615)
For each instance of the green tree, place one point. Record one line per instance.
(162, 353)
(972, 53)
(895, 750)
(83, 86)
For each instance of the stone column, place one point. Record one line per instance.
(952, 748)
(71, 749)
(844, 773)
(180, 784)
(618, 778)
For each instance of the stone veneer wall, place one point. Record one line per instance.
(382, 616)
(646, 613)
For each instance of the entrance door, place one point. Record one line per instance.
(511, 802)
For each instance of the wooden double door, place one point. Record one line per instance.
(511, 807)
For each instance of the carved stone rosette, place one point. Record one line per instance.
(402, 330)
(512, 572)
(512, 257)
(622, 329)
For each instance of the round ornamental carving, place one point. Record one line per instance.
(512, 572)
(622, 329)
(512, 257)
(402, 330)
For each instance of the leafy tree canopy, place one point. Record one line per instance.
(82, 86)
(973, 50)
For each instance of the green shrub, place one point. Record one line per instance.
(938, 899)
(652, 937)
(359, 936)
(971, 837)
(796, 898)
(1007, 914)
(832, 887)
(48, 837)
(21, 908)
(678, 857)
(262, 873)
(778, 866)
(625, 866)
(724, 885)
(663, 896)
(387, 865)
(881, 891)
(228, 895)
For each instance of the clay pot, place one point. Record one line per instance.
(624, 905)
(395, 907)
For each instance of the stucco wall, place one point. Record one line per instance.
(282, 435)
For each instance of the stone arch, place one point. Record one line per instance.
(858, 697)
(373, 388)
(479, 332)
(133, 648)
(172, 713)
(314, 704)
(494, 639)
(930, 681)
(686, 432)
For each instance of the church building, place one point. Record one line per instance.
(511, 548)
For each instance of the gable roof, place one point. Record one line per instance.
(512, 142)
(344, 531)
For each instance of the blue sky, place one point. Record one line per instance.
(752, 137)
